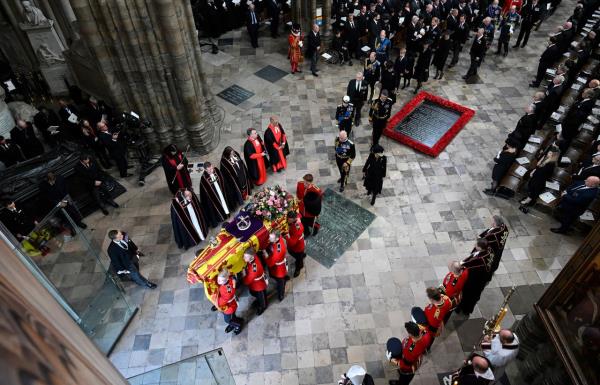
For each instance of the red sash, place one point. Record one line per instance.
(279, 137)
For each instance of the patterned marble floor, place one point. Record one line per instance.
(430, 213)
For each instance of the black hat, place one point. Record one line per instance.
(394, 347)
(377, 149)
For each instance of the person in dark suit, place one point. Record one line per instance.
(590, 170)
(252, 25)
(404, 68)
(441, 55)
(95, 181)
(374, 171)
(23, 135)
(530, 14)
(17, 221)
(552, 100)
(422, 66)
(357, 90)
(55, 192)
(116, 146)
(549, 57)
(95, 111)
(503, 160)
(575, 201)
(69, 116)
(352, 34)
(124, 256)
(273, 10)
(10, 153)
(313, 48)
(477, 52)
(577, 115)
(459, 38)
(525, 128)
(538, 177)
(43, 120)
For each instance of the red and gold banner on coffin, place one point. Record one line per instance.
(227, 251)
(465, 115)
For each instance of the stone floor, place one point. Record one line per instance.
(431, 211)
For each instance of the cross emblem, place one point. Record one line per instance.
(243, 222)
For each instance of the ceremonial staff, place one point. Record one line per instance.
(176, 170)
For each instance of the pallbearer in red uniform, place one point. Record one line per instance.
(276, 261)
(408, 354)
(175, 165)
(277, 145)
(295, 241)
(435, 312)
(454, 282)
(256, 279)
(227, 302)
(255, 155)
(309, 204)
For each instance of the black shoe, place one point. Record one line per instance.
(82, 225)
(237, 331)
(260, 311)
(339, 180)
(505, 54)
(286, 278)
(357, 123)
(558, 230)
(315, 231)
(280, 297)
(451, 65)
(228, 329)
(516, 45)
(104, 211)
(394, 382)
(523, 209)
(126, 175)
(73, 233)
(489, 191)
(373, 200)
(151, 285)
(114, 204)
(523, 46)
(280, 170)
(130, 166)
(213, 308)
(533, 85)
(350, 63)
(341, 188)
(497, 52)
(297, 272)
(300, 71)
(315, 74)
(441, 75)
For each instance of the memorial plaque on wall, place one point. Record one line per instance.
(342, 222)
(235, 94)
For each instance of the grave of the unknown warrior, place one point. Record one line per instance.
(428, 123)
(235, 94)
(342, 222)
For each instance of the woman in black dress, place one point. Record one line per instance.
(374, 172)
(538, 177)
(422, 67)
(441, 55)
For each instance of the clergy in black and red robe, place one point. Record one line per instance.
(496, 237)
(175, 165)
(212, 195)
(277, 146)
(255, 155)
(235, 176)
(479, 264)
(189, 225)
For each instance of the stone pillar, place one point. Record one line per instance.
(149, 56)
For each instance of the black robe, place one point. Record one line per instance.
(251, 163)
(374, 171)
(171, 172)
(237, 181)
(496, 237)
(479, 268)
(184, 232)
(270, 140)
(211, 204)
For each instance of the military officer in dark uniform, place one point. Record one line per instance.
(344, 155)
(380, 112)
(477, 52)
(357, 90)
(344, 114)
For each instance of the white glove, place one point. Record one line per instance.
(300, 44)
(388, 355)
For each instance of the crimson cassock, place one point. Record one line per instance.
(257, 168)
(176, 179)
(212, 196)
(275, 155)
(189, 224)
(236, 178)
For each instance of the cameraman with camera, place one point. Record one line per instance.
(116, 145)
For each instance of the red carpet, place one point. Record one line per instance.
(428, 123)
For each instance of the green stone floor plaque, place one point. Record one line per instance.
(342, 222)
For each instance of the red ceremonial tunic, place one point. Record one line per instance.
(435, 314)
(226, 297)
(260, 161)
(255, 277)
(301, 191)
(279, 145)
(295, 51)
(412, 352)
(276, 260)
(295, 237)
(453, 286)
(182, 177)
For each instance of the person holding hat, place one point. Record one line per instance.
(380, 112)
(295, 50)
(374, 171)
(309, 204)
(356, 375)
(408, 354)
(344, 114)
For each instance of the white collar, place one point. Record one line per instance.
(488, 375)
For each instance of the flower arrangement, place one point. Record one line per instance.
(270, 203)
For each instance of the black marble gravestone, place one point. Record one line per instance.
(428, 122)
(270, 73)
(235, 94)
(342, 222)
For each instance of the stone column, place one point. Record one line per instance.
(149, 56)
